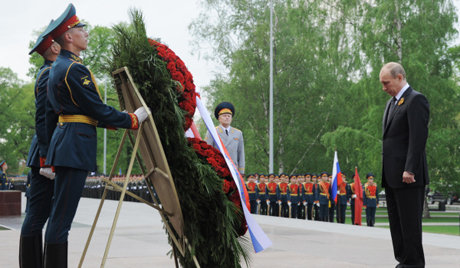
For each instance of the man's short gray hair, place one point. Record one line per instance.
(395, 69)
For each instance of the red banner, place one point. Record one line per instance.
(358, 189)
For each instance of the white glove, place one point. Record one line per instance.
(141, 114)
(353, 196)
(258, 201)
(289, 203)
(47, 172)
(268, 202)
(304, 203)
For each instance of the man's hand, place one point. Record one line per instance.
(408, 177)
(141, 114)
(47, 172)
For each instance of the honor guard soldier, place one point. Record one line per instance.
(262, 195)
(3, 178)
(251, 187)
(309, 196)
(324, 197)
(284, 196)
(343, 193)
(273, 195)
(302, 202)
(331, 201)
(294, 197)
(40, 191)
(314, 181)
(75, 98)
(371, 199)
(231, 137)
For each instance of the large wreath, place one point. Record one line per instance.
(187, 102)
(209, 199)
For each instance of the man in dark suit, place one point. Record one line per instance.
(404, 169)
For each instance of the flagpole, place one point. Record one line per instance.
(105, 138)
(270, 135)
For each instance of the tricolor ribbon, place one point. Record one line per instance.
(259, 239)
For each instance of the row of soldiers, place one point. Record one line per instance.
(94, 188)
(309, 196)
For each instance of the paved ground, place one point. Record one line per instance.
(140, 241)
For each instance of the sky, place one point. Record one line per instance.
(168, 20)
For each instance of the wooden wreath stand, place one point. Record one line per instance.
(155, 170)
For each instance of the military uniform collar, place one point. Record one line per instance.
(48, 62)
(71, 56)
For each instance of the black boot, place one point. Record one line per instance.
(56, 255)
(30, 252)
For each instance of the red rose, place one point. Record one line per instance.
(225, 186)
(212, 162)
(178, 77)
(171, 67)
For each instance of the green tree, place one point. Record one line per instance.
(16, 119)
(327, 59)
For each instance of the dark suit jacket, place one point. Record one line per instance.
(404, 138)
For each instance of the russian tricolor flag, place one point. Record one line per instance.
(336, 177)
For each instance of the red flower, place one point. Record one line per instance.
(179, 72)
(226, 186)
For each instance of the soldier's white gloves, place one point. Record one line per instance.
(258, 201)
(268, 202)
(47, 172)
(141, 114)
(353, 196)
(304, 203)
(289, 203)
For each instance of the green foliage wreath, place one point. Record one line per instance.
(211, 221)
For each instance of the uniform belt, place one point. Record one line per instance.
(308, 193)
(372, 196)
(342, 194)
(322, 194)
(293, 194)
(272, 193)
(77, 118)
(283, 193)
(251, 192)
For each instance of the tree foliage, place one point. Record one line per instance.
(16, 119)
(327, 95)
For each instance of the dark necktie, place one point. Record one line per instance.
(392, 108)
(226, 132)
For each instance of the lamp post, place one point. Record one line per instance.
(270, 165)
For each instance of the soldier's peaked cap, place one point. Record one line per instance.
(65, 22)
(369, 175)
(43, 41)
(224, 108)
